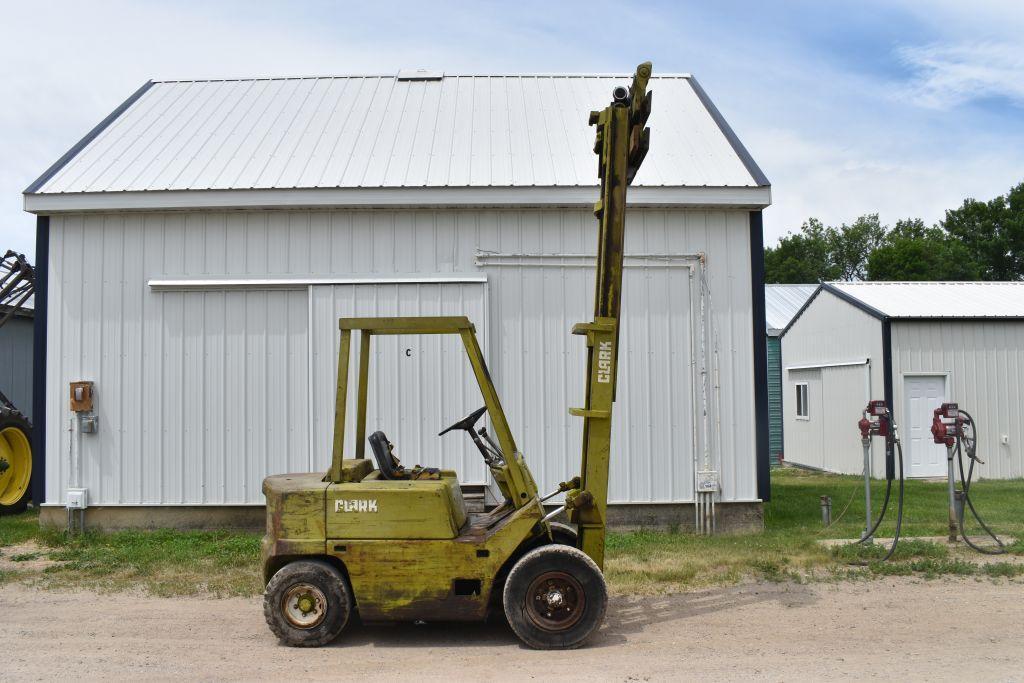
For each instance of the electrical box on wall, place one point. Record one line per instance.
(77, 499)
(707, 481)
(81, 397)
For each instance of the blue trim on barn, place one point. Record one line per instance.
(753, 169)
(764, 484)
(42, 274)
(38, 183)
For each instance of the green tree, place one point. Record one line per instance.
(992, 233)
(913, 251)
(977, 241)
(800, 257)
(851, 245)
(818, 252)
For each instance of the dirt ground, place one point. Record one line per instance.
(894, 629)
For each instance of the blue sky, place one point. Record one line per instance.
(904, 108)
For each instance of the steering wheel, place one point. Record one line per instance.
(466, 423)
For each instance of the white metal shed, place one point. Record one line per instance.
(198, 246)
(915, 344)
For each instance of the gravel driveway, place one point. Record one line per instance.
(896, 629)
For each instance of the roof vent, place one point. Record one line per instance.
(420, 75)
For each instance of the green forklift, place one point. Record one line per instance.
(391, 542)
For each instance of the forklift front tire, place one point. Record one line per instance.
(555, 597)
(307, 603)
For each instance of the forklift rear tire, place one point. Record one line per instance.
(307, 603)
(555, 597)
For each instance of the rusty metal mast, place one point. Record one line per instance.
(621, 144)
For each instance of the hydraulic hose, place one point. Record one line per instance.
(965, 482)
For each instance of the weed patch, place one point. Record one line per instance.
(25, 557)
(1002, 569)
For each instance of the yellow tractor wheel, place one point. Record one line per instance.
(15, 461)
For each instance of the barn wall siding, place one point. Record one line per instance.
(774, 351)
(202, 393)
(985, 366)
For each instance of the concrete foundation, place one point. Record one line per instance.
(732, 517)
(112, 518)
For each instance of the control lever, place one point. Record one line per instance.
(500, 458)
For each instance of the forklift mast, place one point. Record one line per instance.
(621, 144)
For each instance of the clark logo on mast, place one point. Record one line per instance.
(604, 362)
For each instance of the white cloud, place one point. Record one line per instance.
(833, 140)
(837, 183)
(946, 76)
(94, 55)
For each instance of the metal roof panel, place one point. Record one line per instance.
(938, 300)
(381, 131)
(782, 302)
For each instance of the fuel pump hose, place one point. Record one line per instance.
(965, 482)
(885, 505)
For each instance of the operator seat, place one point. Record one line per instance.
(383, 453)
(389, 466)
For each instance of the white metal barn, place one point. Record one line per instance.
(917, 345)
(197, 248)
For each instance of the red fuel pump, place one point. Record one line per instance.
(947, 432)
(957, 431)
(876, 420)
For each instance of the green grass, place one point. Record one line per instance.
(163, 562)
(788, 548)
(15, 529)
(226, 563)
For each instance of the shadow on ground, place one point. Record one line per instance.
(626, 616)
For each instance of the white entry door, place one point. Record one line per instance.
(924, 393)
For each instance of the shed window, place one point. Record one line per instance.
(801, 401)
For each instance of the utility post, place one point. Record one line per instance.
(865, 441)
(621, 144)
(947, 427)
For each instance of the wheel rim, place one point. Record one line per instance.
(555, 601)
(16, 451)
(304, 606)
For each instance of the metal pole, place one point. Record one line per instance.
(953, 529)
(867, 491)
